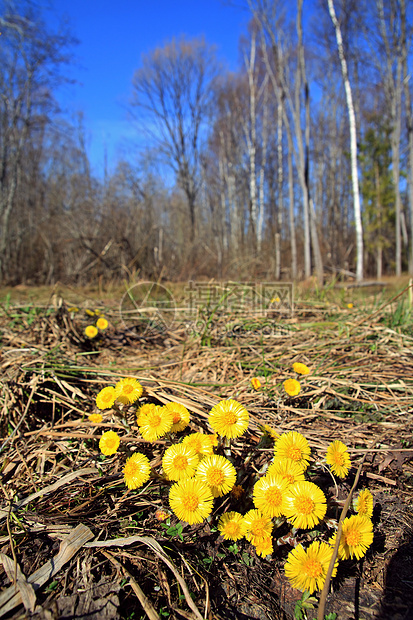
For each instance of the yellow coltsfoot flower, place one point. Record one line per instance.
(304, 504)
(291, 470)
(137, 471)
(102, 323)
(128, 390)
(268, 494)
(180, 416)
(229, 418)
(218, 473)
(307, 569)
(109, 443)
(363, 503)
(257, 525)
(256, 383)
(301, 369)
(155, 423)
(191, 500)
(338, 459)
(356, 537)
(91, 331)
(179, 462)
(106, 397)
(95, 418)
(292, 387)
(143, 411)
(201, 443)
(231, 525)
(294, 446)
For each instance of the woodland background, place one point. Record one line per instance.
(300, 163)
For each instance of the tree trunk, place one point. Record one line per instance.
(280, 182)
(353, 142)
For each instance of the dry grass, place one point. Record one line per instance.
(123, 560)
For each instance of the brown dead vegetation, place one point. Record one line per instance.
(75, 543)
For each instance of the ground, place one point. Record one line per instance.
(81, 545)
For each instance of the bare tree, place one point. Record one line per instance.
(409, 118)
(172, 91)
(392, 72)
(275, 70)
(353, 141)
(30, 60)
(256, 140)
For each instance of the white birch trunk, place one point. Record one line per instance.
(280, 182)
(251, 134)
(260, 221)
(353, 143)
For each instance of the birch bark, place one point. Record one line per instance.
(353, 142)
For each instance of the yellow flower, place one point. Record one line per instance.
(338, 459)
(95, 418)
(304, 504)
(218, 473)
(268, 495)
(202, 444)
(106, 397)
(256, 383)
(156, 423)
(191, 500)
(263, 546)
(143, 411)
(257, 525)
(109, 443)
(231, 525)
(89, 312)
(128, 390)
(363, 503)
(136, 471)
(294, 446)
(301, 369)
(350, 306)
(307, 569)
(102, 323)
(229, 418)
(292, 387)
(73, 309)
(179, 461)
(180, 416)
(290, 470)
(91, 331)
(356, 537)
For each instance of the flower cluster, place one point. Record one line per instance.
(293, 386)
(91, 331)
(199, 469)
(126, 391)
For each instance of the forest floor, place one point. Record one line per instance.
(76, 543)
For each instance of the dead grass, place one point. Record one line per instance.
(67, 515)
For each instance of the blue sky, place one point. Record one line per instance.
(113, 35)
